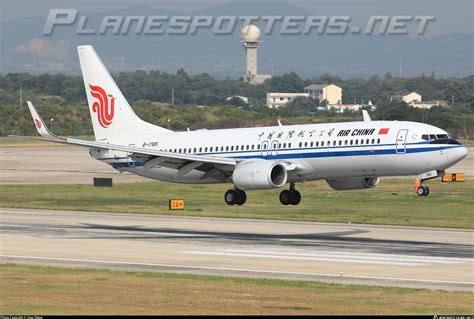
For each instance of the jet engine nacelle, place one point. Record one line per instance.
(341, 184)
(259, 175)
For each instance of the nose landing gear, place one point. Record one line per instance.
(420, 184)
(423, 190)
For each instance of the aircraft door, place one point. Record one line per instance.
(273, 149)
(401, 144)
(264, 148)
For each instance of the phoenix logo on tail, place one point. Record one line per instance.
(38, 123)
(103, 107)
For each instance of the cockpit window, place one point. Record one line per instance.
(445, 141)
(439, 139)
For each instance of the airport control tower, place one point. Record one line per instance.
(250, 36)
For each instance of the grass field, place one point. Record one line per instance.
(46, 290)
(392, 203)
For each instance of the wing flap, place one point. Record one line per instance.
(144, 151)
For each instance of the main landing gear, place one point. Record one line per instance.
(235, 197)
(287, 197)
(291, 196)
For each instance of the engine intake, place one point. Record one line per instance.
(353, 183)
(259, 175)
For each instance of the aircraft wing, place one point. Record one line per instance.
(150, 157)
(135, 151)
(184, 163)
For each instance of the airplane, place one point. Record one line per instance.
(349, 155)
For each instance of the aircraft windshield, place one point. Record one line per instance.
(439, 139)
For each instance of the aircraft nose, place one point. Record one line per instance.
(458, 153)
(455, 155)
(462, 152)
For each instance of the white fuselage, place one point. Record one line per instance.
(321, 151)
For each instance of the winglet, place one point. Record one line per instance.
(279, 122)
(366, 116)
(39, 123)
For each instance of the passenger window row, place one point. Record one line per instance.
(253, 147)
(341, 142)
(220, 148)
(214, 149)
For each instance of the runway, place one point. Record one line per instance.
(57, 165)
(340, 253)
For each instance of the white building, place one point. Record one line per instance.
(425, 104)
(275, 100)
(341, 108)
(330, 93)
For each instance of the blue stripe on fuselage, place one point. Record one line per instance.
(366, 152)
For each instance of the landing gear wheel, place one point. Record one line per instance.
(231, 197)
(291, 196)
(235, 197)
(420, 191)
(285, 197)
(427, 191)
(295, 197)
(423, 191)
(242, 197)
